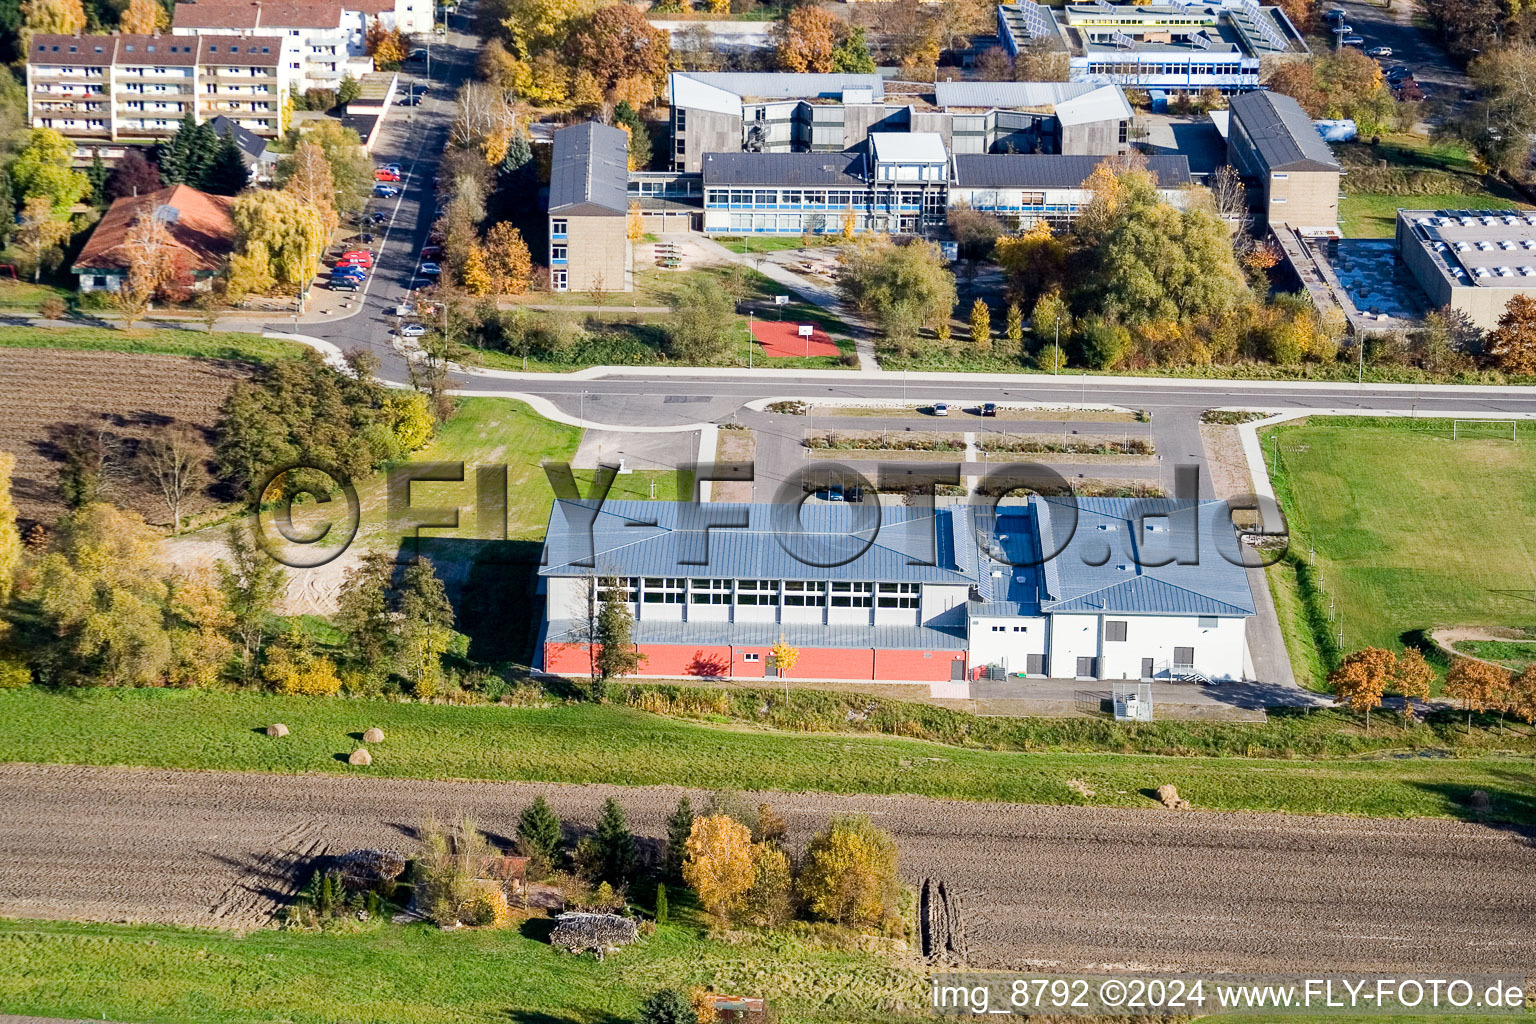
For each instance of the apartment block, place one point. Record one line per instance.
(330, 39)
(102, 89)
(589, 246)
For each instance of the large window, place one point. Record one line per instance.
(804, 595)
(557, 226)
(628, 589)
(1114, 630)
(898, 595)
(663, 590)
(757, 592)
(852, 595)
(710, 592)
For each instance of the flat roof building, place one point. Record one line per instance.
(1471, 260)
(589, 210)
(1177, 47)
(798, 113)
(1273, 143)
(937, 595)
(1023, 189)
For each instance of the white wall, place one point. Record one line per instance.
(1072, 637)
(939, 602)
(1218, 645)
(1020, 636)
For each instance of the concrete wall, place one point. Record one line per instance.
(706, 131)
(1483, 303)
(1096, 138)
(598, 248)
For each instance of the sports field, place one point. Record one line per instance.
(1397, 527)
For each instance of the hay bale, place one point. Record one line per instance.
(374, 735)
(360, 756)
(1169, 795)
(277, 729)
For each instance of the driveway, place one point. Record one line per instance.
(1440, 76)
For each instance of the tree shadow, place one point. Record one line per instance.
(1511, 810)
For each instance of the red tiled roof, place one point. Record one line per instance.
(202, 225)
(161, 50)
(239, 14)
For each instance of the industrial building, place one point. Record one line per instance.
(1091, 588)
(744, 112)
(106, 89)
(1471, 260)
(1167, 47)
(1274, 145)
(589, 246)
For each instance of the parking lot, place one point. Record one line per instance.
(1437, 74)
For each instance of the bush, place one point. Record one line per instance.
(14, 673)
(487, 907)
(51, 309)
(849, 875)
(667, 1006)
(292, 667)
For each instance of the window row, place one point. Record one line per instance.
(763, 593)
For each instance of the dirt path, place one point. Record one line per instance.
(1073, 887)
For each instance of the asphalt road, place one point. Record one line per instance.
(1074, 888)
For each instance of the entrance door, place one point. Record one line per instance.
(1148, 667)
(957, 670)
(1085, 667)
(1034, 664)
(770, 668)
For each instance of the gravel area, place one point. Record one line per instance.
(1075, 888)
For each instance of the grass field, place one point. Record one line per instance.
(609, 744)
(27, 296)
(1374, 215)
(1512, 654)
(767, 243)
(1410, 529)
(168, 341)
(411, 974)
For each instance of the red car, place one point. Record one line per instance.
(384, 174)
(431, 251)
(361, 259)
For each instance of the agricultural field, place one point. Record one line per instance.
(587, 743)
(1396, 529)
(53, 391)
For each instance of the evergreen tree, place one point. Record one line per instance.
(679, 827)
(615, 843)
(661, 903)
(203, 148)
(668, 1006)
(98, 173)
(174, 157)
(517, 165)
(227, 174)
(615, 634)
(538, 831)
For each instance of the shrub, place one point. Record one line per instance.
(667, 1006)
(292, 667)
(849, 875)
(14, 673)
(487, 907)
(51, 309)
(661, 903)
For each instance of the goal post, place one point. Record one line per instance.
(1457, 425)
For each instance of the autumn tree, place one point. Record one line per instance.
(1479, 685)
(507, 259)
(51, 17)
(1522, 688)
(142, 17)
(476, 278)
(202, 649)
(616, 42)
(617, 655)
(981, 326)
(1502, 120)
(539, 25)
(387, 46)
(10, 536)
(1362, 678)
(43, 168)
(718, 865)
(102, 595)
(849, 874)
(308, 178)
(785, 657)
(806, 40)
(1411, 678)
(1034, 262)
(881, 278)
(291, 235)
(769, 900)
(1512, 344)
(1014, 329)
(701, 322)
(40, 236)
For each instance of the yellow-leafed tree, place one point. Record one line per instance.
(981, 326)
(312, 182)
(10, 537)
(507, 259)
(849, 873)
(292, 234)
(142, 17)
(785, 657)
(806, 38)
(719, 865)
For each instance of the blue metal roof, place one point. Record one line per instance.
(1103, 556)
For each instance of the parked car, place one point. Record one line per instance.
(404, 309)
(1379, 52)
(412, 330)
(353, 272)
(417, 54)
(1408, 91)
(392, 168)
(429, 252)
(1336, 14)
(385, 174)
(941, 408)
(989, 408)
(383, 218)
(382, 191)
(363, 258)
(1352, 41)
(429, 270)
(345, 284)
(1399, 72)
